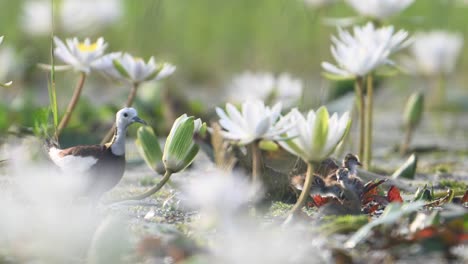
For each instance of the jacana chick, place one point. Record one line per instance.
(351, 162)
(102, 165)
(319, 186)
(350, 182)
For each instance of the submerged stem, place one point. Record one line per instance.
(71, 106)
(149, 192)
(304, 194)
(361, 110)
(129, 103)
(369, 119)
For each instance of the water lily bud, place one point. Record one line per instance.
(268, 145)
(148, 147)
(414, 110)
(180, 149)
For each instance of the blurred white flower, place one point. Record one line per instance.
(255, 121)
(264, 86)
(219, 195)
(11, 65)
(74, 16)
(379, 9)
(365, 50)
(36, 17)
(89, 15)
(7, 63)
(315, 136)
(434, 53)
(133, 69)
(79, 55)
(318, 3)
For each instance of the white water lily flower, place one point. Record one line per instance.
(255, 121)
(319, 3)
(133, 69)
(365, 50)
(250, 86)
(315, 136)
(435, 52)
(79, 55)
(379, 9)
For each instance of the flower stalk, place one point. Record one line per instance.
(369, 123)
(256, 163)
(71, 106)
(149, 192)
(304, 194)
(359, 87)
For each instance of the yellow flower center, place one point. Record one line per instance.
(87, 47)
(137, 59)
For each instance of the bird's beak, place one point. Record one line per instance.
(358, 163)
(139, 120)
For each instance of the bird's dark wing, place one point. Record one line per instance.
(95, 151)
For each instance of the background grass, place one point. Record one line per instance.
(208, 41)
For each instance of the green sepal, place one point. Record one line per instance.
(320, 132)
(149, 148)
(335, 77)
(120, 68)
(179, 146)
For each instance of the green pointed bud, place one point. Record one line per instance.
(414, 110)
(200, 128)
(118, 66)
(408, 169)
(268, 145)
(148, 147)
(180, 149)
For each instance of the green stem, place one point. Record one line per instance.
(304, 194)
(369, 119)
(361, 109)
(256, 163)
(129, 103)
(149, 192)
(71, 106)
(406, 141)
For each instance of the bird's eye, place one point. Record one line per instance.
(125, 114)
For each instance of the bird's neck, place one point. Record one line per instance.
(118, 141)
(352, 169)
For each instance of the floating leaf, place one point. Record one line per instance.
(393, 195)
(320, 200)
(465, 197)
(393, 212)
(408, 169)
(370, 190)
